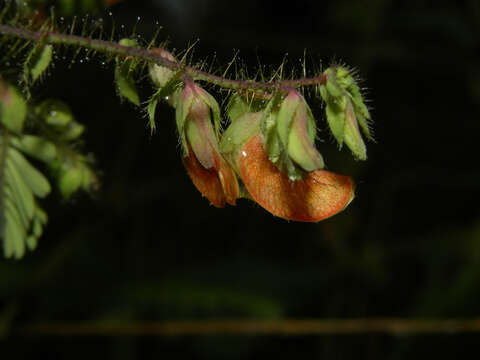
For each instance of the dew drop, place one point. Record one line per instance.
(166, 97)
(52, 113)
(244, 154)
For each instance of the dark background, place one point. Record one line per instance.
(148, 247)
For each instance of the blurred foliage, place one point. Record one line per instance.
(149, 248)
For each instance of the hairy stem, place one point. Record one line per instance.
(112, 48)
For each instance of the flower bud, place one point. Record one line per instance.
(209, 171)
(346, 110)
(296, 130)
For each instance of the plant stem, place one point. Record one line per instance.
(112, 48)
(292, 327)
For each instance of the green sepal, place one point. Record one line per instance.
(268, 128)
(238, 105)
(301, 140)
(214, 107)
(285, 118)
(361, 111)
(343, 77)
(181, 113)
(240, 130)
(13, 109)
(353, 138)
(333, 88)
(294, 173)
(272, 143)
(335, 111)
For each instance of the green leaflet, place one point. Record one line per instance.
(14, 229)
(13, 109)
(19, 192)
(33, 178)
(21, 220)
(37, 62)
(36, 147)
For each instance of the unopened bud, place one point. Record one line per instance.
(209, 171)
(296, 130)
(346, 111)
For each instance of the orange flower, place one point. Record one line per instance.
(210, 173)
(319, 195)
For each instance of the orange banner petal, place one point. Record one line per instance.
(319, 195)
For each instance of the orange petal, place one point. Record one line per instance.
(218, 184)
(206, 180)
(319, 195)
